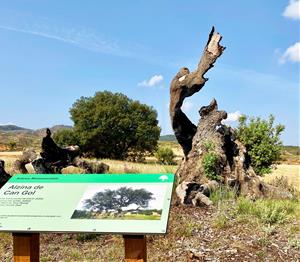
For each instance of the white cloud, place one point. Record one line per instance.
(187, 106)
(152, 81)
(292, 54)
(8, 123)
(232, 117)
(292, 10)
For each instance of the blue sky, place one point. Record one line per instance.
(53, 52)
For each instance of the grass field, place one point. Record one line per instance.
(289, 171)
(233, 229)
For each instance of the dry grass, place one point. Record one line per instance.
(291, 172)
(224, 232)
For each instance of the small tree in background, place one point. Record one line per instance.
(165, 155)
(65, 137)
(113, 126)
(262, 141)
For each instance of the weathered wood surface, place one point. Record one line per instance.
(210, 136)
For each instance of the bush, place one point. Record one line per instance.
(165, 155)
(262, 141)
(113, 126)
(210, 165)
(268, 211)
(65, 137)
(12, 145)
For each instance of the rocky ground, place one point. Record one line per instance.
(195, 234)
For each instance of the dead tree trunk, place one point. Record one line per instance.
(53, 159)
(213, 155)
(185, 84)
(4, 177)
(19, 166)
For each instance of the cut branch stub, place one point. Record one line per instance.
(185, 84)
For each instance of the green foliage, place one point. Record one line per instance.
(12, 145)
(165, 155)
(221, 221)
(294, 243)
(268, 211)
(262, 141)
(222, 193)
(65, 137)
(118, 199)
(81, 214)
(210, 165)
(210, 161)
(111, 125)
(208, 145)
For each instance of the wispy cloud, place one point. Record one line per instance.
(152, 81)
(292, 10)
(84, 39)
(291, 54)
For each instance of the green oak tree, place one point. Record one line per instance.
(110, 125)
(118, 199)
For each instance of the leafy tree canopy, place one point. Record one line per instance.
(118, 199)
(262, 140)
(111, 125)
(65, 137)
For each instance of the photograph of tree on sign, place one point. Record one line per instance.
(121, 203)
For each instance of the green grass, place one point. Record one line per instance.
(221, 194)
(268, 211)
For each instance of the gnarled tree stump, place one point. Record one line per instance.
(210, 141)
(54, 158)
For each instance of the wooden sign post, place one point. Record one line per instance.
(83, 210)
(26, 247)
(135, 248)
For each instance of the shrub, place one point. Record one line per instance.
(262, 141)
(12, 145)
(210, 165)
(268, 211)
(165, 155)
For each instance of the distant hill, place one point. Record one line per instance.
(167, 138)
(24, 137)
(14, 128)
(42, 131)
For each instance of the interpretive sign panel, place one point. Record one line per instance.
(102, 203)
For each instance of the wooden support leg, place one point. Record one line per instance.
(135, 248)
(26, 247)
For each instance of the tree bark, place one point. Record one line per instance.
(213, 155)
(185, 84)
(19, 166)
